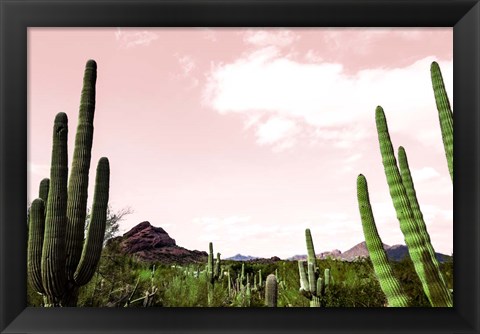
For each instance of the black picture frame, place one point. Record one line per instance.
(18, 15)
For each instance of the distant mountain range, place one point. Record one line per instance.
(153, 244)
(394, 253)
(240, 257)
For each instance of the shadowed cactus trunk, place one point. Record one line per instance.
(271, 291)
(60, 258)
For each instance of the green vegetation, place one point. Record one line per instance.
(120, 278)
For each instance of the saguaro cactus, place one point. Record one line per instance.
(312, 286)
(402, 192)
(389, 284)
(67, 259)
(412, 226)
(271, 291)
(213, 272)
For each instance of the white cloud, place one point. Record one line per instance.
(274, 130)
(322, 95)
(129, 39)
(275, 37)
(424, 174)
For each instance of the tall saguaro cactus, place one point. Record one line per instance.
(409, 214)
(312, 286)
(213, 273)
(60, 258)
(78, 182)
(412, 226)
(388, 282)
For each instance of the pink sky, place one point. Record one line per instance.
(245, 137)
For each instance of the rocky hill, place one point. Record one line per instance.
(153, 244)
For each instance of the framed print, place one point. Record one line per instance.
(236, 166)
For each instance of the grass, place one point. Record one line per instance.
(354, 284)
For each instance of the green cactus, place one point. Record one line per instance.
(35, 243)
(229, 283)
(218, 271)
(213, 273)
(271, 291)
(210, 275)
(260, 281)
(67, 259)
(43, 189)
(210, 263)
(242, 275)
(312, 286)
(444, 113)
(413, 227)
(389, 284)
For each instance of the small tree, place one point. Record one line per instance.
(113, 219)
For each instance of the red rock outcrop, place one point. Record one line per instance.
(153, 244)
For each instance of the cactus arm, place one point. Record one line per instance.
(53, 253)
(412, 197)
(36, 227)
(328, 277)
(43, 189)
(96, 229)
(210, 266)
(420, 223)
(304, 285)
(444, 113)
(389, 284)
(78, 182)
(311, 257)
(408, 184)
(217, 267)
(426, 271)
(320, 286)
(311, 278)
(271, 291)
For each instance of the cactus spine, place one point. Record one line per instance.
(67, 261)
(389, 284)
(271, 291)
(444, 113)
